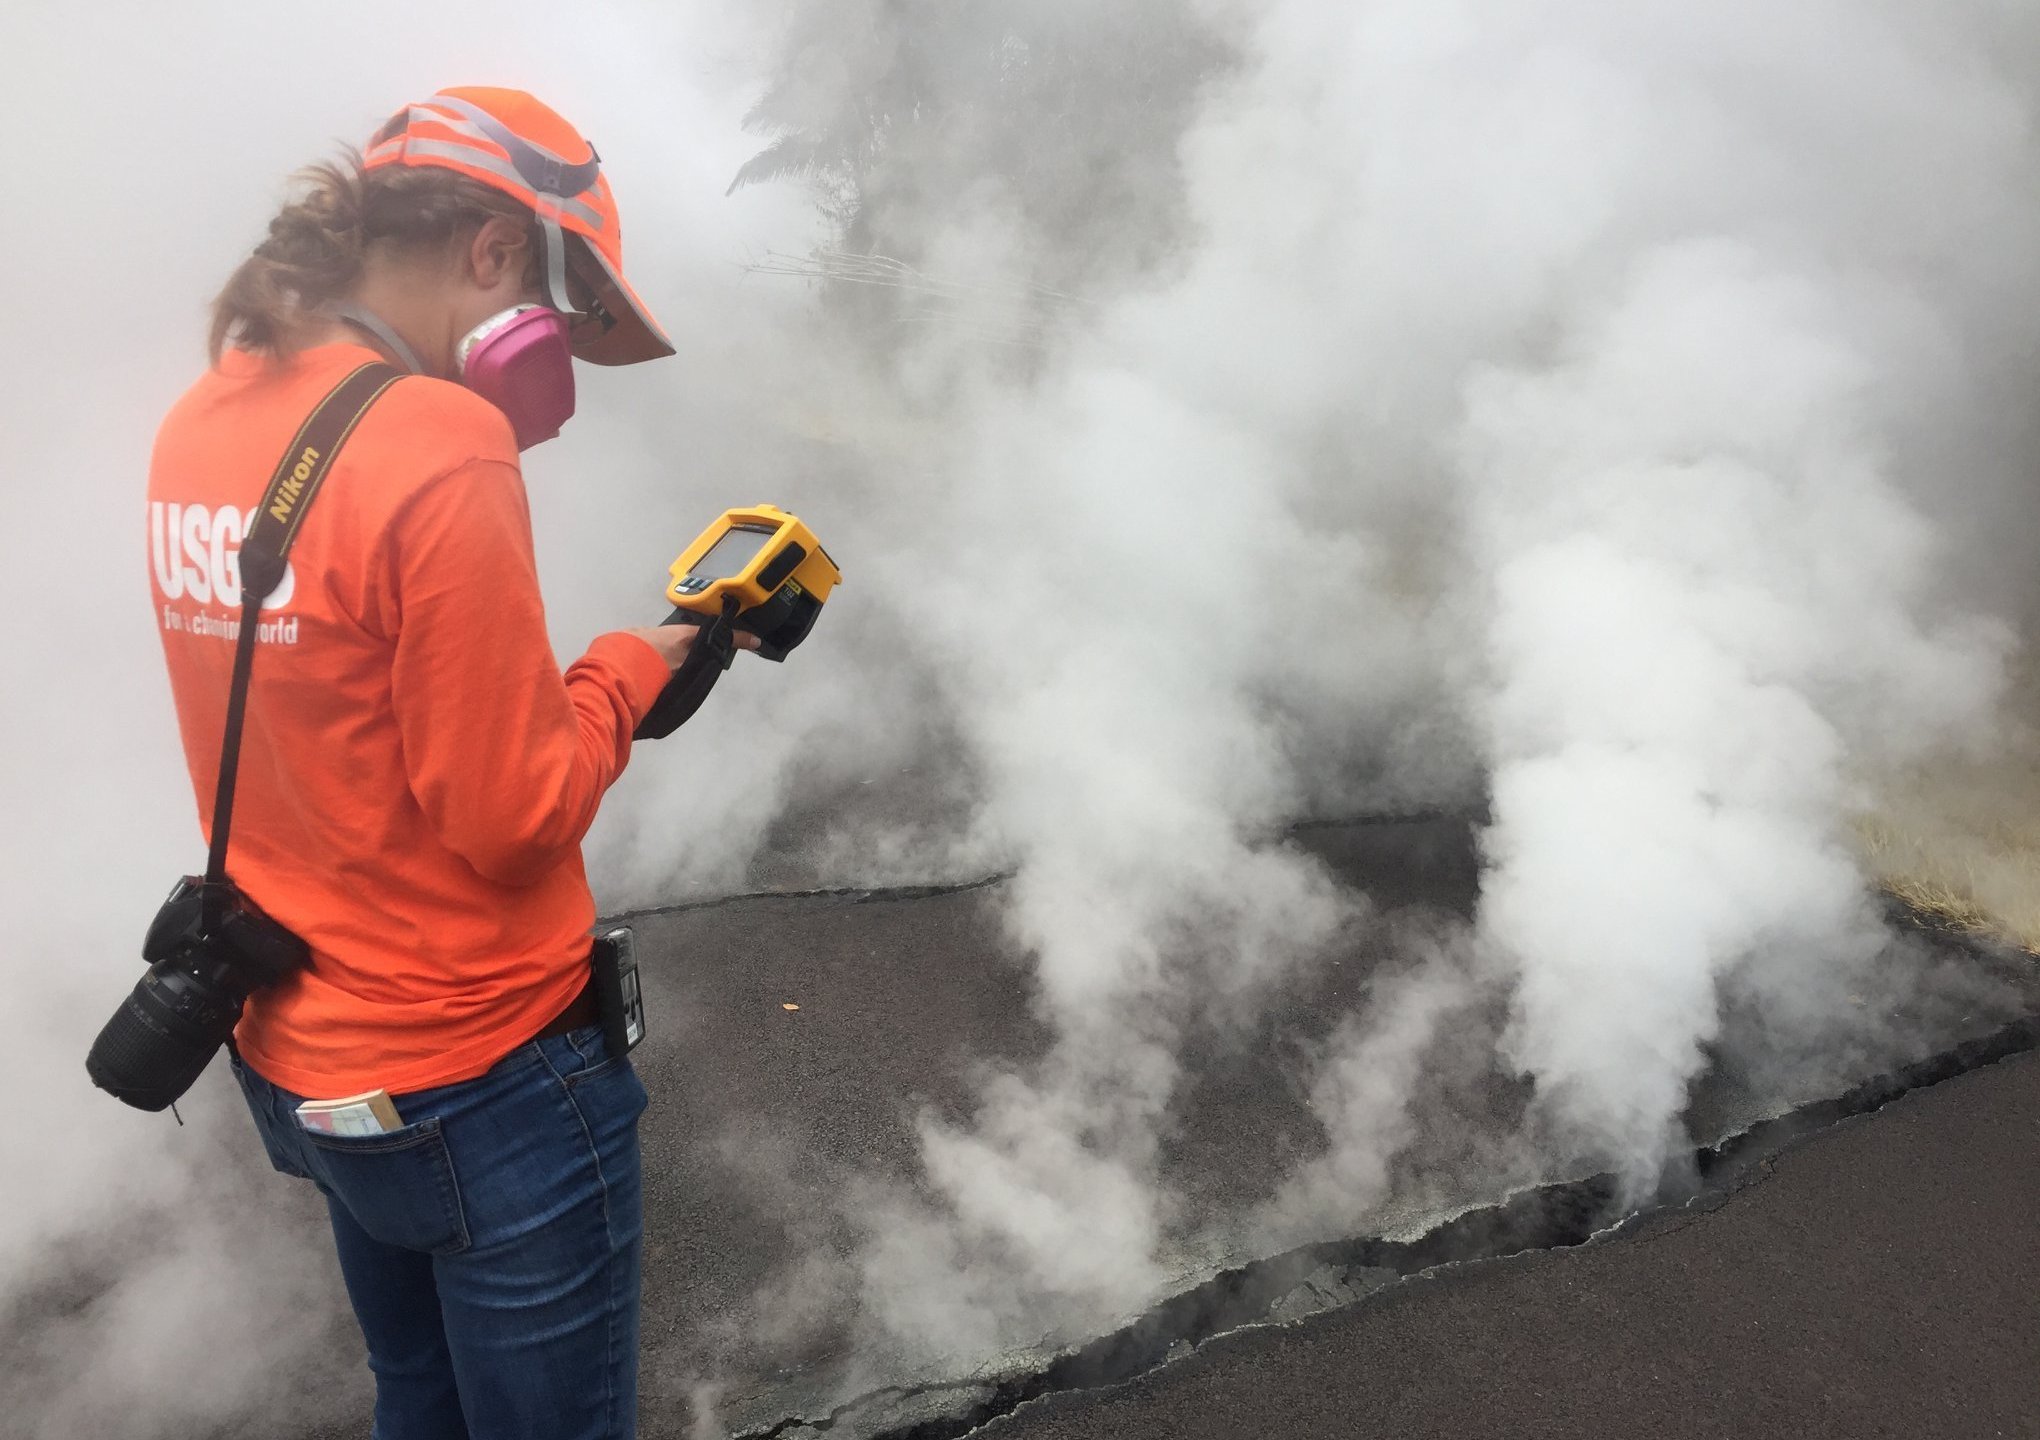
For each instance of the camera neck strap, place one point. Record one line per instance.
(264, 550)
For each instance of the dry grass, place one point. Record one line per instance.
(1965, 878)
(1960, 841)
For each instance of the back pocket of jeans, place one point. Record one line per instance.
(400, 1187)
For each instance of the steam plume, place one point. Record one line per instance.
(1615, 412)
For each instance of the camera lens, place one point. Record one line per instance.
(163, 1035)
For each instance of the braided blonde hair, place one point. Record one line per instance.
(319, 243)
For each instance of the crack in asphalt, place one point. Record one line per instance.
(936, 890)
(794, 1423)
(1342, 1273)
(855, 894)
(1334, 1275)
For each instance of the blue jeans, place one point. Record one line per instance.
(490, 1245)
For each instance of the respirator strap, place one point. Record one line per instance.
(264, 550)
(554, 243)
(374, 324)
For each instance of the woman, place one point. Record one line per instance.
(418, 773)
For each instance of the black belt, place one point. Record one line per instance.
(580, 1012)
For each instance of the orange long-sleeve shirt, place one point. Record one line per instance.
(416, 775)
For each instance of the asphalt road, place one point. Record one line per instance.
(764, 1119)
(1879, 1279)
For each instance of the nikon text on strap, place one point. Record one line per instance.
(263, 551)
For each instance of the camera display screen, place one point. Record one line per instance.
(729, 555)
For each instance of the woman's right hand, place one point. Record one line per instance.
(675, 642)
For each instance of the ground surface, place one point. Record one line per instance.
(764, 1116)
(1880, 1279)
(1843, 1274)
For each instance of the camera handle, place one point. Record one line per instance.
(264, 550)
(713, 650)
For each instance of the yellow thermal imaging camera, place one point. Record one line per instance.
(763, 566)
(758, 570)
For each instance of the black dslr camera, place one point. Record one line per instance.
(208, 949)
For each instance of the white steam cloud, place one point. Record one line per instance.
(1709, 601)
(1618, 410)
(1572, 394)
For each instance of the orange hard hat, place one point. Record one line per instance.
(509, 140)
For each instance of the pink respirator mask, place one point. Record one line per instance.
(519, 360)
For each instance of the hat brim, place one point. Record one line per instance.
(636, 336)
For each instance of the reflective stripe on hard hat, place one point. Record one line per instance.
(545, 172)
(502, 169)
